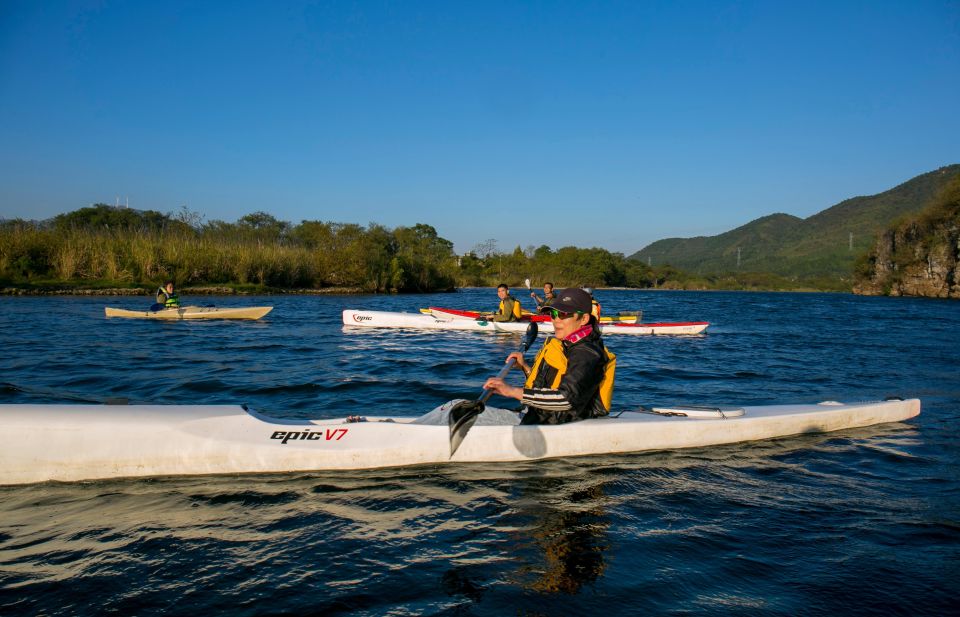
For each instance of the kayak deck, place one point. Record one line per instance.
(84, 442)
(193, 312)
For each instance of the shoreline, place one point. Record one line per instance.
(191, 291)
(352, 291)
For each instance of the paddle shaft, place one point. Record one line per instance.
(503, 373)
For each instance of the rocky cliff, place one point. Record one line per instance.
(918, 256)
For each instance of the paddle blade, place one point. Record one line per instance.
(529, 337)
(527, 283)
(462, 417)
(465, 413)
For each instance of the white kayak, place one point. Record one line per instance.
(193, 312)
(86, 442)
(385, 319)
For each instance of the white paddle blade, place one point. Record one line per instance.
(527, 283)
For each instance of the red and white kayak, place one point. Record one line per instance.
(39, 443)
(527, 316)
(419, 321)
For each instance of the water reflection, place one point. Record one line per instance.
(569, 529)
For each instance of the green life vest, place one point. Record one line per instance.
(168, 300)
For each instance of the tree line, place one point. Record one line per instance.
(106, 246)
(103, 246)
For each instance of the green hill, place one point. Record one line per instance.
(823, 246)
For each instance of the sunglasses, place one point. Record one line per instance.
(562, 315)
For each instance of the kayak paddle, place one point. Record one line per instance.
(465, 413)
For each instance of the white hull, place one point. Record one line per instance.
(384, 319)
(193, 312)
(84, 442)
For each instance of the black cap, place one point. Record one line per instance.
(571, 300)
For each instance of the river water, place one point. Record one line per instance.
(859, 522)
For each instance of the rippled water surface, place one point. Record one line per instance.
(859, 522)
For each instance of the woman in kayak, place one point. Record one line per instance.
(509, 309)
(548, 296)
(167, 296)
(572, 375)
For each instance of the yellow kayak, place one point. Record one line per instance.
(193, 312)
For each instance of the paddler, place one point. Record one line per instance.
(572, 376)
(548, 296)
(509, 309)
(595, 306)
(167, 297)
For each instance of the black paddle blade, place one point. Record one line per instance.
(464, 414)
(529, 337)
(462, 417)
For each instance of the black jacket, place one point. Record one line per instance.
(577, 397)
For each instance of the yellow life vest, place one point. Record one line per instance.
(595, 308)
(517, 309)
(552, 354)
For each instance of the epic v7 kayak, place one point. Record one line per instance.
(85, 442)
(384, 319)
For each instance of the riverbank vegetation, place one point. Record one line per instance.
(103, 247)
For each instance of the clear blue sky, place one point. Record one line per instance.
(608, 124)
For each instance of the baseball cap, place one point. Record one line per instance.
(571, 300)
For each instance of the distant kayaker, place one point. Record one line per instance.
(167, 296)
(509, 309)
(548, 296)
(595, 306)
(572, 376)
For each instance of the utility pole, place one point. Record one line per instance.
(738, 257)
(850, 248)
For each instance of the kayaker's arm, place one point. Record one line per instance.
(521, 363)
(499, 386)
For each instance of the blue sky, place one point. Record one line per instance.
(610, 124)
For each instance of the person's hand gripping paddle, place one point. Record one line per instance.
(465, 413)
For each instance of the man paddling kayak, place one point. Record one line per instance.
(509, 309)
(572, 375)
(548, 296)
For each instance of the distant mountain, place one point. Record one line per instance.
(825, 245)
